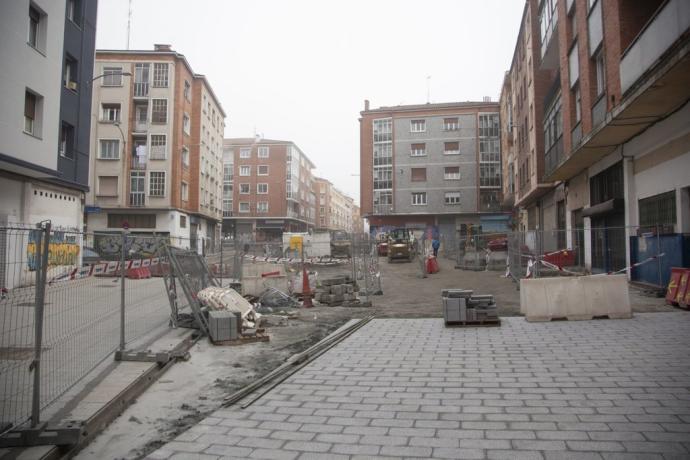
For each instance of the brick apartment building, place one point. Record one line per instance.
(157, 139)
(335, 208)
(268, 189)
(431, 165)
(615, 126)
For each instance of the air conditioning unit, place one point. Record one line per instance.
(72, 85)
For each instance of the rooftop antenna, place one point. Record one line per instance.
(428, 89)
(129, 22)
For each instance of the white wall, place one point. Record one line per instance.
(24, 67)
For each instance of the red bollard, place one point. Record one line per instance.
(306, 291)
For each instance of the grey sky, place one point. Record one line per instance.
(300, 70)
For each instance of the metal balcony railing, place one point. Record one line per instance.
(383, 209)
(137, 199)
(141, 89)
(137, 164)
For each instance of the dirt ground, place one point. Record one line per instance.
(191, 390)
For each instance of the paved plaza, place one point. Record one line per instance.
(604, 389)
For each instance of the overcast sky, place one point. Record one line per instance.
(300, 70)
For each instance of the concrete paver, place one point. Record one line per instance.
(413, 388)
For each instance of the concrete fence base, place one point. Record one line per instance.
(575, 298)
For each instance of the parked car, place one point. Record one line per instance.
(89, 256)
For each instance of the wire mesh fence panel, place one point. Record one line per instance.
(18, 274)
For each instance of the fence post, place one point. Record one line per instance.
(122, 289)
(658, 251)
(42, 250)
(222, 269)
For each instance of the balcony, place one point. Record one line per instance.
(141, 126)
(553, 156)
(667, 25)
(136, 164)
(548, 21)
(137, 199)
(383, 209)
(141, 89)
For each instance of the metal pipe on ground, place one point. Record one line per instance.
(292, 365)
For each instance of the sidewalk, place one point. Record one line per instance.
(412, 388)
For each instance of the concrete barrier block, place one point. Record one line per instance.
(608, 295)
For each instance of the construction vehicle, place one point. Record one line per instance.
(341, 246)
(400, 245)
(382, 244)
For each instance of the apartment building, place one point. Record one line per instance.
(268, 188)
(335, 208)
(47, 49)
(527, 95)
(357, 221)
(615, 126)
(433, 165)
(157, 139)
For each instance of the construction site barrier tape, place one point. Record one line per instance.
(294, 260)
(531, 262)
(103, 268)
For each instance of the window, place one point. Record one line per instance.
(160, 74)
(452, 197)
(109, 149)
(419, 198)
(244, 189)
(451, 148)
(185, 157)
(134, 220)
(187, 91)
(69, 73)
(112, 76)
(32, 104)
(36, 23)
(73, 11)
(553, 124)
(322, 210)
(107, 185)
(110, 113)
(262, 189)
(245, 170)
(450, 124)
(159, 111)
(262, 206)
(262, 170)
(418, 174)
(158, 146)
(417, 126)
(185, 123)
(263, 152)
(183, 221)
(157, 183)
(418, 150)
(184, 191)
(600, 72)
(451, 173)
(489, 174)
(66, 148)
(244, 206)
(573, 65)
(658, 210)
(245, 153)
(578, 107)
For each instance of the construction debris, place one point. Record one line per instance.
(229, 300)
(462, 308)
(274, 299)
(336, 291)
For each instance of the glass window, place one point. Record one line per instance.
(417, 126)
(262, 206)
(184, 191)
(245, 170)
(263, 152)
(418, 174)
(112, 76)
(244, 206)
(158, 146)
(658, 210)
(450, 124)
(109, 149)
(157, 183)
(110, 113)
(262, 170)
(451, 148)
(452, 197)
(262, 189)
(244, 189)
(451, 173)
(245, 153)
(160, 74)
(418, 150)
(419, 198)
(34, 26)
(30, 103)
(159, 110)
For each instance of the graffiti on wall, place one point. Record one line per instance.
(63, 249)
(110, 246)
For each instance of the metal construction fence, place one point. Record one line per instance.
(351, 255)
(65, 308)
(645, 253)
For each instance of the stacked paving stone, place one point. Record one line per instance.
(462, 306)
(336, 291)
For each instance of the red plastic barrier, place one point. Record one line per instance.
(268, 274)
(673, 284)
(683, 288)
(139, 273)
(432, 265)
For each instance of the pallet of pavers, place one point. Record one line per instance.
(461, 308)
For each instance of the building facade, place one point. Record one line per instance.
(335, 208)
(431, 165)
(157, 139)
(615, 125)
(268, 189)
(48, 49)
